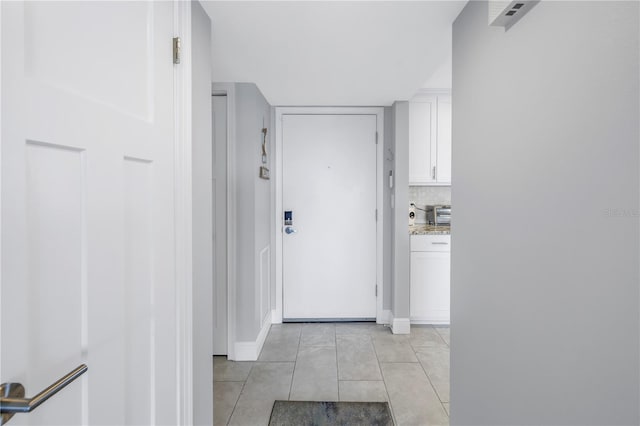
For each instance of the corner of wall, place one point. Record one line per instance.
(250, 351)
(400, 235)
(385, 317)
(399, 325)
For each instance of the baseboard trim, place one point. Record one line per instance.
(431, 322)
(401, 326)
(384, 317)
(249, 351)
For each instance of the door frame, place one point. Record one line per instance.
(183, 219)
(229, 90)
(277, 312)
(220, 204)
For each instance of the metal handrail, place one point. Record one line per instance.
(10, 405)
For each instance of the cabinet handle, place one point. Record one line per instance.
(440, 242)
(433, 173)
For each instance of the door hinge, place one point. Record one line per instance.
(376, 215)
(176, 50)
(376, 290)
(376, 138)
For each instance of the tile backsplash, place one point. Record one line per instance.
(428, 195)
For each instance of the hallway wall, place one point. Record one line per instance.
(254, 210)
(545, 248)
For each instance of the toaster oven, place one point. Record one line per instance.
(439, 215)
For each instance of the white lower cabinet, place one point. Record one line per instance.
(430, 279)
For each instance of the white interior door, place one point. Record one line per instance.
(329, 185)
(88, 270)
(220, 223)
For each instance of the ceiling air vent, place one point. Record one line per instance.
(506, 13)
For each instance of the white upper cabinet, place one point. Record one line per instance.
(430, 139)
(422, 137)
(443, 145)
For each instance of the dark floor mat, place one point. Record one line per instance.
(311, 413)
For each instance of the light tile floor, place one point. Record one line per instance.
(339, 362)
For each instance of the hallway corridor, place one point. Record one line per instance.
(339, 362)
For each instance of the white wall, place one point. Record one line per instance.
(202, 214)
(545, 322)
(254, 229)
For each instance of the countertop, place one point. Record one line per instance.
(423, 229)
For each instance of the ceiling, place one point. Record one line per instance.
(333, 52)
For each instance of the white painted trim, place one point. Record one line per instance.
(183, 216)
(429, 184)
(380, 185)
(385, 317)
(427, 93)
(250, 351)
(431, 322)
(401, 326)
(230, 91)
(219, 202)
(271, 162)
(278, 213)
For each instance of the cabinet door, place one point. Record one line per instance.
(430, 282)
(443, 155)
(422, 140)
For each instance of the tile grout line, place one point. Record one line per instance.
(439, 334)
(335, 340)
(393, 414)
(295, 364)
(239, 395)
(431, 383)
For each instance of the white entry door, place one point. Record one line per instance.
(329, 186)
(88, 270)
